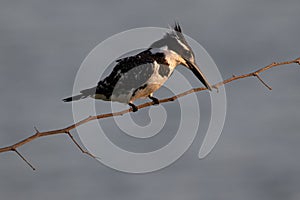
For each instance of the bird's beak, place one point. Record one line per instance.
(195, 69)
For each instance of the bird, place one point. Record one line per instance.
(139, 76)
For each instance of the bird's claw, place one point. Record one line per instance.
(154, 100)
(134, 107)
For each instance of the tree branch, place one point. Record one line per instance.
(67, 129)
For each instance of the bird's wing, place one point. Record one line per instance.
(134, 78)
(129, 73)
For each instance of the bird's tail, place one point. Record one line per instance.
(75, 98)
(84, 94)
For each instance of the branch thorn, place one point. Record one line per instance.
(78, 146)
(260, 79)
(23, 158)
(36, 130)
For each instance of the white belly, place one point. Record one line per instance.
(122, 97)
(155, 81)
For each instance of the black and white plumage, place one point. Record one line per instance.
(140, 75)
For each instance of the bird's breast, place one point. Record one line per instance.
(123, 97)
(160, 74)
(144, 92)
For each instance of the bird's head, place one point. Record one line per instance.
(175, 41)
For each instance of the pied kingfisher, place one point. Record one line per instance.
(140, 75)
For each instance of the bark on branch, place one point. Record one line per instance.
(66, 130)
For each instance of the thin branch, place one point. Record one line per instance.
(67, 129)
(78, 146)
(24, 159)
(262, 81)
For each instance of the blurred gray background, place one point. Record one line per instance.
(42, 44)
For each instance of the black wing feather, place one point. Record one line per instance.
(130, 73)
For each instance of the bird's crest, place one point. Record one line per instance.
(175, 32)
(171, 37)
(177, 27)
(175, 40)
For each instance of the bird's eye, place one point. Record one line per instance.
(186, 54)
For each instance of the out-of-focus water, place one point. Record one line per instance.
(42, 44)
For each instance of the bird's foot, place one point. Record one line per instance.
(154, 100)
(134, 107)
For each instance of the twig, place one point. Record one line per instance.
(78, 146)
(67, 130)
(262, 81)
(23, 158)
